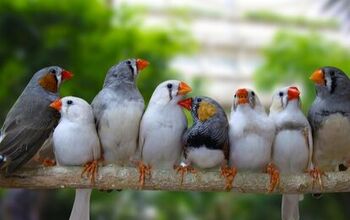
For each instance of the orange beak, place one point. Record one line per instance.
(66, 75)
(186, 103)
(183, 89)
(242, 95)
(57, 104)
(141, 64)
(293, 93)
(318, 77)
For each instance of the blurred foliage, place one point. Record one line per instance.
(293, 57)
(85, 37)
(297, 21)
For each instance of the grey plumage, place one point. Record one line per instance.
(29, 122)
(118, 108)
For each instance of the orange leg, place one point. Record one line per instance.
(183, 170)
(46, 162)
(274, 176)
(91, 169)
(316, 175)
(229, 174)
(144, 170)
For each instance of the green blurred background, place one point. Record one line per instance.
(88, 37)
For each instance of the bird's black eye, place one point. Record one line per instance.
(69, 102)
(199, 99)
(170, 86)
(280, 94)
(235, 96)
(253, 93)
(332, 73)
(53, 71)
(128, 62)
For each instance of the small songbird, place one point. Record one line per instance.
(162, 127)
(251, 133)
(118, 109)
(31, 121)
(292, 148)
(329, 117)
(206, 143)
(76, 143)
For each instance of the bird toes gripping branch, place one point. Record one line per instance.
(183, 170)
(274, 176)
(91, 170)
(229, 174)
(144, 170)
(316, 175)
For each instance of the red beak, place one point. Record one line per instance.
(242, 95)
(293, 93)
(57, 104)
(141, 64)
(66, 75)
(186, 103)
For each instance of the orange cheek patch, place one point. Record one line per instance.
(206, 111)
(49, 82)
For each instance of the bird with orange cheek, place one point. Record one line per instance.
(292, 148)
(31, 121)
(329, 117)
(206, 143)
(251, 133)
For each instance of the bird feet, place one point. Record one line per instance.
(91, 169)
(144, 170)
(229, 174)
(316, 175)
(183, 169)
(48, 162)
(274, 176)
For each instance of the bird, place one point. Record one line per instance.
(206, 143)
(251, 133)
(329, 116)
(293, 146)
(118, 109)
(163, 120)
(30, 121)
(76, 143)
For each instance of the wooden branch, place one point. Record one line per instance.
(114, 177)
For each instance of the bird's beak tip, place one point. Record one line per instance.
(57, 104)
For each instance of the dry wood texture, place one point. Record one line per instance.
(114, 177)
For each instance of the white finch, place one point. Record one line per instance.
(118, 109)
(292, 149)
(76, 143)
(162, 127)
(251, 133)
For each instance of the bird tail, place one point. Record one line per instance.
(290, 206)
(81, 206)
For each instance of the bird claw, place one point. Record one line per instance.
(229, 174)
(183, 170)
(48, 163)
(274, 177)
(91, 169)
(144, 170)
(316, 175)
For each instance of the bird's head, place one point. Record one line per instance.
(50, 78)
(73, 109)
(170, 91)
(288, 96)
(202, 108)
(125, 72)
(330, 80)
(245, 97)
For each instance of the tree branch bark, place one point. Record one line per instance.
(114, 177)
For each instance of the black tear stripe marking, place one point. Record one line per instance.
(130, 67)
(333, 84)
(170, 95)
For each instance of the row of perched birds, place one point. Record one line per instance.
(116, 129)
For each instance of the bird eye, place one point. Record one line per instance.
(199, 99)
(253, 93)
(69, 102)
(169, 85)
(332, 73)
(128, 62)
(53, 71)
(235, 96)
(280, 94)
